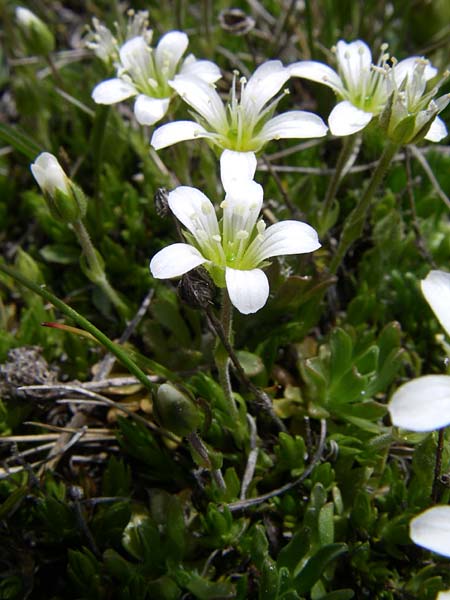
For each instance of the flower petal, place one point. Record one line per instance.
(346, 119)
(316, 71)
(288, 237)
(202, 97)
(241, 208)
(205, 70)
(175, 260)
(431, 530)
(293, 124)
(135, 56)
(354, 59)
(49, 174)
(265, 82)
(422, 404)
(150, 110)
(194, 210)
(248, 290)
(236, 166)
(405, 68)
(112, 91)
(169, 51)
(175, 132)
(436, 289)
(437, 132)
(443, 595)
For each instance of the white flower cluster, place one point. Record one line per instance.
(235, 248)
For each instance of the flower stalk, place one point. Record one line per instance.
(438, 465)
(93, 267)
(354, 225)
(221, 356)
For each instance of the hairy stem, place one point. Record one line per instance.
(438, 465)
(222, 358)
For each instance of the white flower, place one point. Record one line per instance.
(443, 595)
(423, 404)
(436, 289)
(364, 88)
(65, 200)
(106, 44)
(49, 174)
(144, 72)
(244, 124)
(235, 250)
(431, 530)
(412, 114)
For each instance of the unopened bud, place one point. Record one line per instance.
(36, 35)
(65, 200)
(176, 411)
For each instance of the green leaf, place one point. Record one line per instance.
(316, 566)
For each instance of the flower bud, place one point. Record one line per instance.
(65, 200)
(176, 411)
(36, 35)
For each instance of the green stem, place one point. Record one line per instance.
(121, 355)
(200, 448)
(354, 224)
(348, 146)
(96, 271)
(438, 465)
(222, 358)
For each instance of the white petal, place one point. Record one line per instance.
(443, 595)
(135, 56)
(422, 404)
(203, 69)
(175, 260)
(194, 210)
(175, 132)
(49, 174)
(436, 289)
(293, 124)
(346, 119)
(112, 91)
(202, 97)
(431, 530)
(236, 166)
(241, 208)
(405, 68)
(316, 71)
(265, 82)
(288, 237)
(437, 132)
(169, 51)
(353, 59)
(150, 110)
(248, 290)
